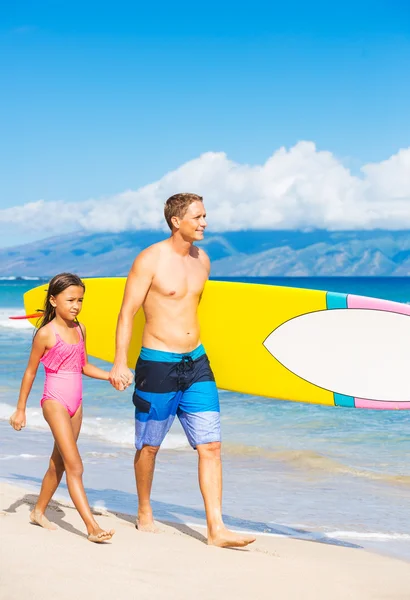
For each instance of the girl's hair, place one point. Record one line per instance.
(58, 284)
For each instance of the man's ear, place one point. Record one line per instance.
(175, 222)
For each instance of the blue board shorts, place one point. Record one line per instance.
(169, 384)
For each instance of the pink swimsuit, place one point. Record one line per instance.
(63, 364)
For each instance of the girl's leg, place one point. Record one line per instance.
(60, 424)
(53, 477)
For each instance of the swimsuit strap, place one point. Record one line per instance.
(53, 328)
(80, 332)
(77, 326)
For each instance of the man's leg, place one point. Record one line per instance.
(210, 483)
(144, 465)
(199, 414)
(155, 403)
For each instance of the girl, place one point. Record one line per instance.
(59, 344)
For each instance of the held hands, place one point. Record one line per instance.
(18, 419)
(120, 377)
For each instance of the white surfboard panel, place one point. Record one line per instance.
(355, 352)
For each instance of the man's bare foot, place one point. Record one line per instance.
(99, 536)
(38, 518)
(224, 538)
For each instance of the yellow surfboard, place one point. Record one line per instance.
(279, 342)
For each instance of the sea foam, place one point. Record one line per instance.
(7, 323)
(116, 431)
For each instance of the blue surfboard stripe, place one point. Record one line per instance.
(342, 400)
(335, 300)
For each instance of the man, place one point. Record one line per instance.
(173, 375)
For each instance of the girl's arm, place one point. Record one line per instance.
(89, 369)
(18, 418)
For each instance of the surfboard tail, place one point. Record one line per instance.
(33, 316)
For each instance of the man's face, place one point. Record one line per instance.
(193, 223)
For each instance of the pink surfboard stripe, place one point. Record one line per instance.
(378, 404)
(375, 304)
(389, 306)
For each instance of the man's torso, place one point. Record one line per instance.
(171, 303)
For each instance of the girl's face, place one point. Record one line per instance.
(68, 303)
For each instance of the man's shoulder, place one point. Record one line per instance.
(203, 257)
(149, 255)
(201, 253)
(201, 250)
(152, 250)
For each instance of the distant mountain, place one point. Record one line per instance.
(238, 253)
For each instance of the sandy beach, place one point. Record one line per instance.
(177, 563)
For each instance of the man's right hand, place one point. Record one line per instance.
(120, 377)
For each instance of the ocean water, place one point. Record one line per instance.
(333, 475)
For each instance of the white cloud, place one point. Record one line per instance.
(298, 188)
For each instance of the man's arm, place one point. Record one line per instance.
(204, 258)
(138, 283)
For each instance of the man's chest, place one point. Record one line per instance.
(179, 281)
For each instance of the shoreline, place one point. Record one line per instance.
(273, 531)
(177, 563)
(308, 507)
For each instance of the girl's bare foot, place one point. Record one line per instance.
(38, 518)
(99, 536)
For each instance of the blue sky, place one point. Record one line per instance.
(97, 99)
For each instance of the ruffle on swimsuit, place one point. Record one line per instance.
(63, 364)
(63, 356)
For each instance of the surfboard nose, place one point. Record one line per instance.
(362, 353)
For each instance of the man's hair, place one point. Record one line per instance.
(177, 205)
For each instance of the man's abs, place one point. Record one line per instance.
(171, 325)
